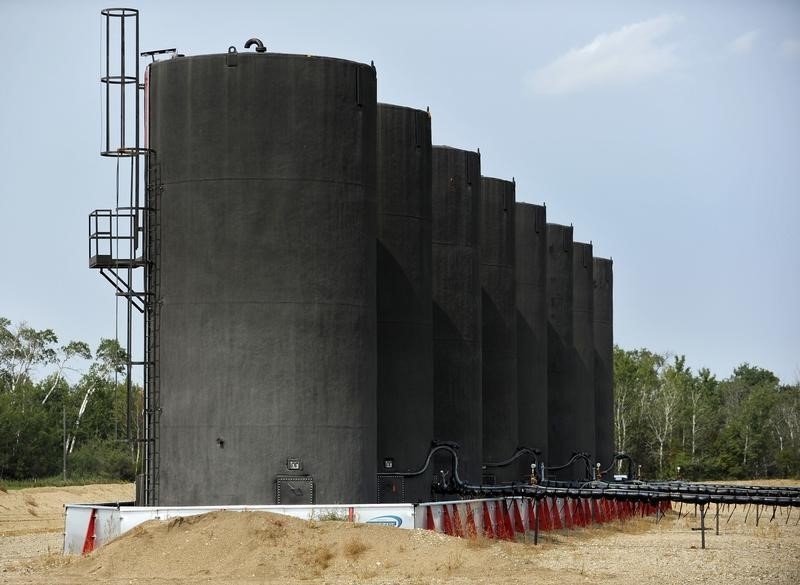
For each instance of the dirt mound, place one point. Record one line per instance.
(262, 547)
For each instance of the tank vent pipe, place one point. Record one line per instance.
(260, 48)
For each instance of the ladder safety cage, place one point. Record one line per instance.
(124, 241)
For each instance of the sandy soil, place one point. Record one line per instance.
(34, 510)
(227, 547)
(32, 519)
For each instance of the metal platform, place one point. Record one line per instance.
(108, 261)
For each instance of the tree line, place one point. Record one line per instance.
(668, 417)
(665, 415)
(47, 421)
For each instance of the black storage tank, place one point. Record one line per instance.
(265, 306)
(530, 272)
(583, 344)
(561, 394)
(405, 322)
(498, 326)
(457, 306)
(604, 359)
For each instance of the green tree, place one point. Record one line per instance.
(31, 412)
(785, 425)
(22, 350)
(65, 354)
(746, 445)
(635, 375)
(98, 387)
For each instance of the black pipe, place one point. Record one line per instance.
(260, 48)
(535, 453)
(585, 457)
(652, 493)
(620, 457)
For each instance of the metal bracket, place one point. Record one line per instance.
(232, 58)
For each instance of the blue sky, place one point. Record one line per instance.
(668, 133)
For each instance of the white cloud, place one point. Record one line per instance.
(630, 53)
(791, 48)
(743, 44)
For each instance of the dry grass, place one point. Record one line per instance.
(271, 532)
(478, 542)
(454, 561)
(331, 516)
(54, 559)
(354, 548)
(30, 500)
(317, 558)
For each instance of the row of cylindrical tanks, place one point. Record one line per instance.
(332, 293)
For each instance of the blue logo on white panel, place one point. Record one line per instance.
(395, 521)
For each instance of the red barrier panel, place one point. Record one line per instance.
(557, 523)
(504, 529)
(487, 522)
(447, 524)
(587, 513)
(578, 517)
(88, 543)
(597, 512)
(519, 527)
(608, 510)
(431, 525)
(457, 528)
(531, 515)
(472, 531)
(458, 518)
(569, 521)
(545, 517)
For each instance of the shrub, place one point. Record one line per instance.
(106, 459)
